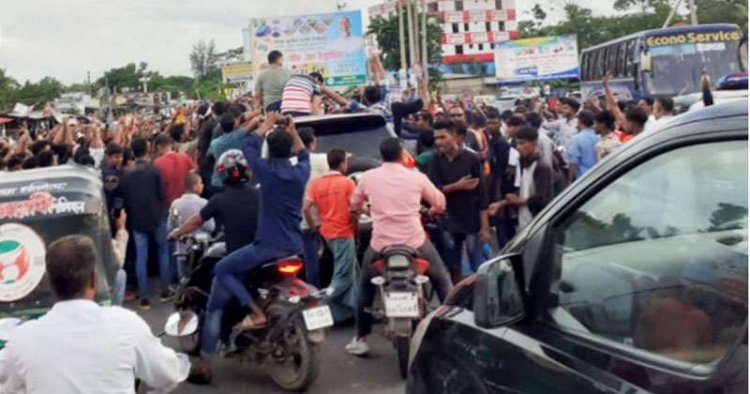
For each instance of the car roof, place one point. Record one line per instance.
(317, 118)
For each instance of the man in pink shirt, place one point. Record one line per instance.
(396, 221)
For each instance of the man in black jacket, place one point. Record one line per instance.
(537, 180)
(145, 201)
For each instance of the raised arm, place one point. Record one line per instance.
(611, 102)
(334, 96)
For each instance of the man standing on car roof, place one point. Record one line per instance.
(270, 85)
(302, 95)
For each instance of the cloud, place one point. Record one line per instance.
(65, 39)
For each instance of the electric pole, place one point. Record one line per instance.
(410, 27)
(401, 38)
(425, 74)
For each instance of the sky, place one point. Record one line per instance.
(66, 38)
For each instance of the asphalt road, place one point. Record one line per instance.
(339, 373)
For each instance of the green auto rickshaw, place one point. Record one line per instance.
(38, 207)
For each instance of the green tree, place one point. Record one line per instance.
(121, 77)
(7, 86)
(204, 59)
(386, 33)
(593, 29)
(46, 90)
(171, 84)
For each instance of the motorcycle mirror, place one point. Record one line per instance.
(181, 324)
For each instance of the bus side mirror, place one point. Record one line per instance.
(645, 62)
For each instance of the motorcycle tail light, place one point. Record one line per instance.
(290, 268)
(421, 266)
(379, 266)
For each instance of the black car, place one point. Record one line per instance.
(359, 134)
(633, 280)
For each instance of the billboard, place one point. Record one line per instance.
(537, 59)
(241, 73)
(331, 44)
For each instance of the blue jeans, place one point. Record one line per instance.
(343, 300)
(231, 270)
(141, 258)
(454, 247)
(311, 240)
(212, 320)
(228, 276)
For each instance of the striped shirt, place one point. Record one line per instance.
(298, 94)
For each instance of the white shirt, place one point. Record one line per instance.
(514, 159)
(526, 191)
(656, 123)
(546, 148)
(81, 347)
(318, 168)
(563, 130)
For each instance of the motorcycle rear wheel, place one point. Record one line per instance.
(402, 349)
(300, 368)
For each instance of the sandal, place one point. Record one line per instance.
(249, 324)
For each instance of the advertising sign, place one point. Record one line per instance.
(331, 44)
(536, 59)
(237, 73)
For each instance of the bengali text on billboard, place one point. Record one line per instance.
(331, 44)
(535, 59)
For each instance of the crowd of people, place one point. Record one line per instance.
(243, 168)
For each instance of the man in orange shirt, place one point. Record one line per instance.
(330, 193)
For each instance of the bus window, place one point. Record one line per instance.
(584, 66)
(629, 51)
(602, 69)
(620, 69)
(612, 59)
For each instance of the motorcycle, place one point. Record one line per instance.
(287, 345)
(402, 288)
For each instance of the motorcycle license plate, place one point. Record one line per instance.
(317, 318)
(401, 305)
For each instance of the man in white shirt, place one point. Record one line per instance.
(80, 346)
(663, 112)
(310, 237)
(567, 126)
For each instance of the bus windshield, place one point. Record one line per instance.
(676, 69)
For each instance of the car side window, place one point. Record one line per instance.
(657, 260)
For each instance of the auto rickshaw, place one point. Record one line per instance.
(37, 207)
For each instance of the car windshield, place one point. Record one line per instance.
(677, 69)
(360, 136)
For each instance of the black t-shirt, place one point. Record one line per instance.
(463, 207)
(236, 209)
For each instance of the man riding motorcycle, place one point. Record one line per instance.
(235, 208)
(282, 186)
(396, 221)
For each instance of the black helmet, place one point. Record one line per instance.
(233, 168)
